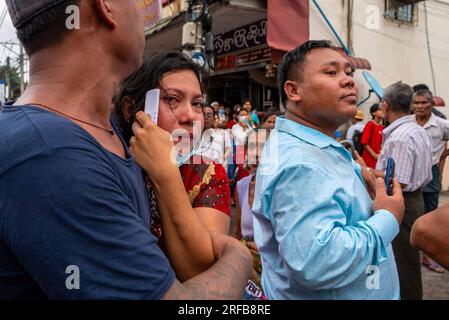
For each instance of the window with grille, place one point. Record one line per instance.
(402, 11)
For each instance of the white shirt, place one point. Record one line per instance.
(358, 126)
(438, 129)
(215, 144)
(410, 146)
(239, 134)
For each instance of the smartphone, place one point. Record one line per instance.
(152, 104)
(389, 175)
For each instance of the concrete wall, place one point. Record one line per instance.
(395, 51)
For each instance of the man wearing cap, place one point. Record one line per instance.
(357, 125)
(74, 213)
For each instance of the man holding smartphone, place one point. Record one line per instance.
(319, 233)
(410, 146)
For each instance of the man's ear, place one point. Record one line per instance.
(127, 105)
(292, 91)
(103, 8)
(386, 107)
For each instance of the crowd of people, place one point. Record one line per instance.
(142, 207)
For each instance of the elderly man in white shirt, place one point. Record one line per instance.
(410, 146)
(438, 129)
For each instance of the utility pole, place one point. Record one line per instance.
(8, 80)
(21, 60)
(197, 38)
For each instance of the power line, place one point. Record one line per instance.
(3, 16)
(400, 40)
(429, 50)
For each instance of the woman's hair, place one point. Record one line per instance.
(210, 107)
(148, 77)
(237, 112)
(373, 109)
(269, 114)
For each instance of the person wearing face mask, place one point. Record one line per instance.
(183, 218)
(241, 128)
(239, 132)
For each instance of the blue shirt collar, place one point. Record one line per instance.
(306, 134)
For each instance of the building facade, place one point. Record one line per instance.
(402, 40)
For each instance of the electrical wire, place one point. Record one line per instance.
(429, 49)
(3, 16)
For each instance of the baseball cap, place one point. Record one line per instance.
(22, 11)
(359, 115)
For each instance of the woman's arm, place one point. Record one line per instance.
(186, 230)
(186, 237)
(237, 230)
(366, 138)
(368, 149)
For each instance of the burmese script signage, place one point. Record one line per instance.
(251, 35)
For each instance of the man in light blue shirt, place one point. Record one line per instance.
(319, 234)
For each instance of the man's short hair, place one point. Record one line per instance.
(424, 93)
(45, 29)
(420, 86)
(292, 65)
(399, 97)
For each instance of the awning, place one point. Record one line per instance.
(438, 102)
(357, 63)
(288, 25)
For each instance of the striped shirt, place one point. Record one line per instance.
(410, 146)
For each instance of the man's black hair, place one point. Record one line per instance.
(292, 65)
(420, 86)
(148, 77)
(46, 29)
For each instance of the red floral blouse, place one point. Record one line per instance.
(206, 185)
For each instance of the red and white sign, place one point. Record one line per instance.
(152, 11)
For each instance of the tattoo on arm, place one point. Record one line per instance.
(225, 280)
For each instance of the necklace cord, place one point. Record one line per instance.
(109, 130)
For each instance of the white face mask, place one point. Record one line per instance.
(183, 158)
(242, 119)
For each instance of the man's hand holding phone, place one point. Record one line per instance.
(393, 203)
(389, 175)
